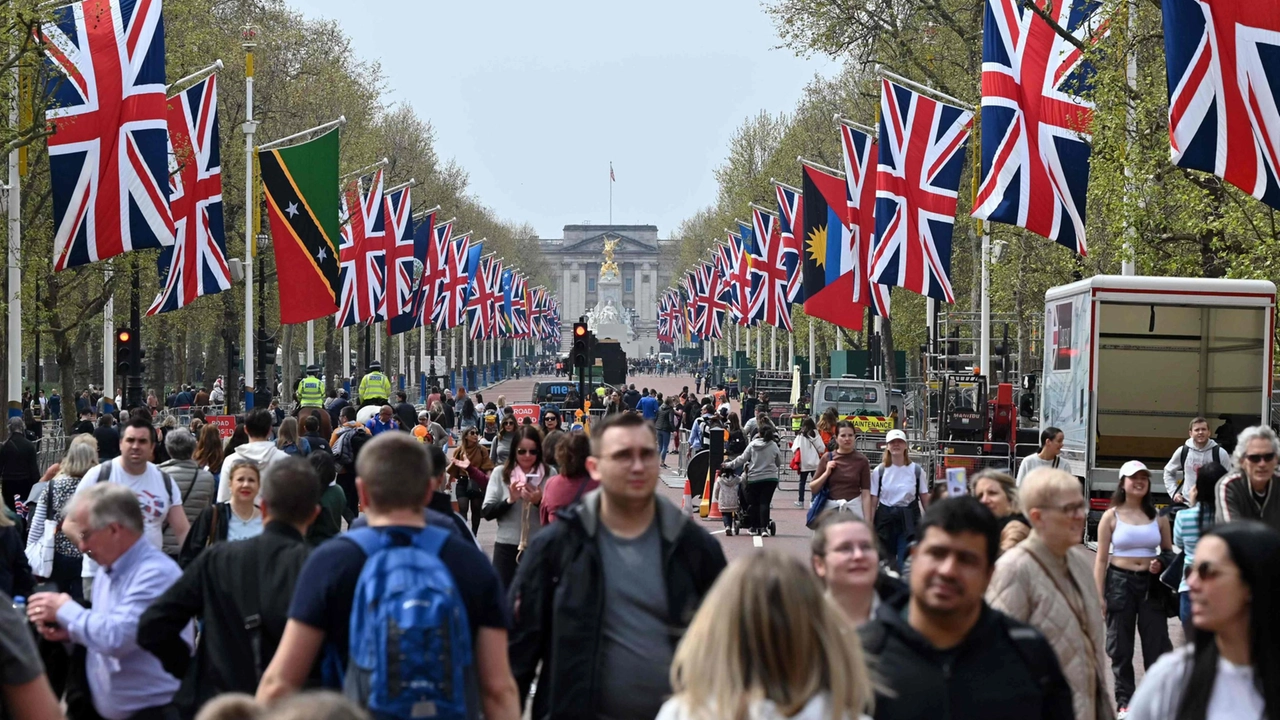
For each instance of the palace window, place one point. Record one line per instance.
(591, 284)
(628, 285)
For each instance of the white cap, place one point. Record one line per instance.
(1133, 467)
(895, 435)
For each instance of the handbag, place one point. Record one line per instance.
(1171, 576)
(820, 499)
(40, 555)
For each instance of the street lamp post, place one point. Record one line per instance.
(260, 382)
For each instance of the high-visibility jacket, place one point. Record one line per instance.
(375, 385)
(311, 392)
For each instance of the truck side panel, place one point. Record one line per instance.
(1064, 399)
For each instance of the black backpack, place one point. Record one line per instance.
(1218, 453)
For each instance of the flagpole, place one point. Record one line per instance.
(813, 360)
(195, 76)
(422, 358)
(15, 273)
(400, 366)
(346, 353)
(923, 88)
(249, 34)
(773, 347)
(1128, 266)
(342, 120)
(466, 359)
(984, 332)
(611, 193)
(311, 343)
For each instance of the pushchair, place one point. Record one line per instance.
(745, 508)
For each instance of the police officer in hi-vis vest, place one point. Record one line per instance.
(375, 387)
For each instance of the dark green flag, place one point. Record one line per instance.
(301, 188)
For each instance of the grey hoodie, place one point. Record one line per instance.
(764, 459)
(1196, 458)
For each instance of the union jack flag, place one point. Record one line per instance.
(444, 299)
(1223, 69)
(739, 280)
(108, 160)
(860, 187)
(537, 312)
(519, 307)
(1035, 142)
(921, 159)
(791, 226)
(770, 292)
(709, 302)
(196, 263)
(486, 299)
(361, 253)
(664, 319)
(406, 257)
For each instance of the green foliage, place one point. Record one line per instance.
(306, 73)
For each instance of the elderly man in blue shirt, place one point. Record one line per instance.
(126, 682)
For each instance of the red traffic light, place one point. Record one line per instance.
(579, 330)
(124, 336)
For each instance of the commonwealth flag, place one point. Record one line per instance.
(298, 182)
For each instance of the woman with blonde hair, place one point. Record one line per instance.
(999, 492)
(767, 644)
(81, 457)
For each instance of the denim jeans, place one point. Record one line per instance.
(664, 444)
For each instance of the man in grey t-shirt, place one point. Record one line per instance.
(604, 594)
(637, 651)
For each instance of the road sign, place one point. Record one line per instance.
(526, 410)
(226, 424)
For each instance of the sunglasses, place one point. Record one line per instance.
(1206, 570)
(1071, 509)
(551, 418)
(1261, 457)
(526, 451)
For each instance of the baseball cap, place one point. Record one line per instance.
(895, 435)
(1133, 467)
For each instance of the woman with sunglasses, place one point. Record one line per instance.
(1247, 491)
(469, 467)
(1127, 574)
(500, 447)
(551, 433)
(515, 490)
(1231, 669)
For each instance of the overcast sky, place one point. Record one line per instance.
(535, 99)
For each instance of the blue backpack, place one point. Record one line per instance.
(410, 646)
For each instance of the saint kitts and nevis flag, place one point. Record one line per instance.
(298, 183)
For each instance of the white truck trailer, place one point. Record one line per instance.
(1129, 361)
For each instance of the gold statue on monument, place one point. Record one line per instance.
(610, 266)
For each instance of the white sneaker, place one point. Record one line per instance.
(798, 504)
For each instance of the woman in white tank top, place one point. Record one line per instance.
(1127, 570)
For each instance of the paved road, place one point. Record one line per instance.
(793, 537)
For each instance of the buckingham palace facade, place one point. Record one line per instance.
(646, 265)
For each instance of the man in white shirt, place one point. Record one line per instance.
(1051, 441)
(158, 495)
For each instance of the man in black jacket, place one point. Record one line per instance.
(228, 584)
(942, 652)
(604, 594)
(19, 463)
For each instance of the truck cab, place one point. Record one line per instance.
(863, 402)
(1129, 361)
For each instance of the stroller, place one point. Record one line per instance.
(743, 507)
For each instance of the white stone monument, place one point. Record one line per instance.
(607, 320)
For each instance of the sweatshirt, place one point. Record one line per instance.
(1196, 459)
(763, 457)
(261, 452)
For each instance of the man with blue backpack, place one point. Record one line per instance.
(407, 618)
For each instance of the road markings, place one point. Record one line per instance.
(757, 541)
(719, 532)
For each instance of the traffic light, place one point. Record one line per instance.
(233, 359)
(126, 359)
(581, 350)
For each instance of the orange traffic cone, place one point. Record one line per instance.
(687, 499)
(714, 512)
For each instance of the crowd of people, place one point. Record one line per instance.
(190, 576)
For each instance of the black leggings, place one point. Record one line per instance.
(759, 495)
(804, 483)
(505, 562)
(473, 504)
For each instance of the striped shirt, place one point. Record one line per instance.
(1186, 534)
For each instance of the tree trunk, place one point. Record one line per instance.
(332, 356)
(289, 370)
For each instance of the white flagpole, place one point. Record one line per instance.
(422, 353)
(408, 381)
(759, 350)
(311, 343)
(813, 359)
(250, 36)
(984, 346)
(346, 353)
(791, 350)
(15, 276)
(773, 347)
(466, 358)
(108, 338)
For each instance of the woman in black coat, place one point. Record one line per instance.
(19, 463)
